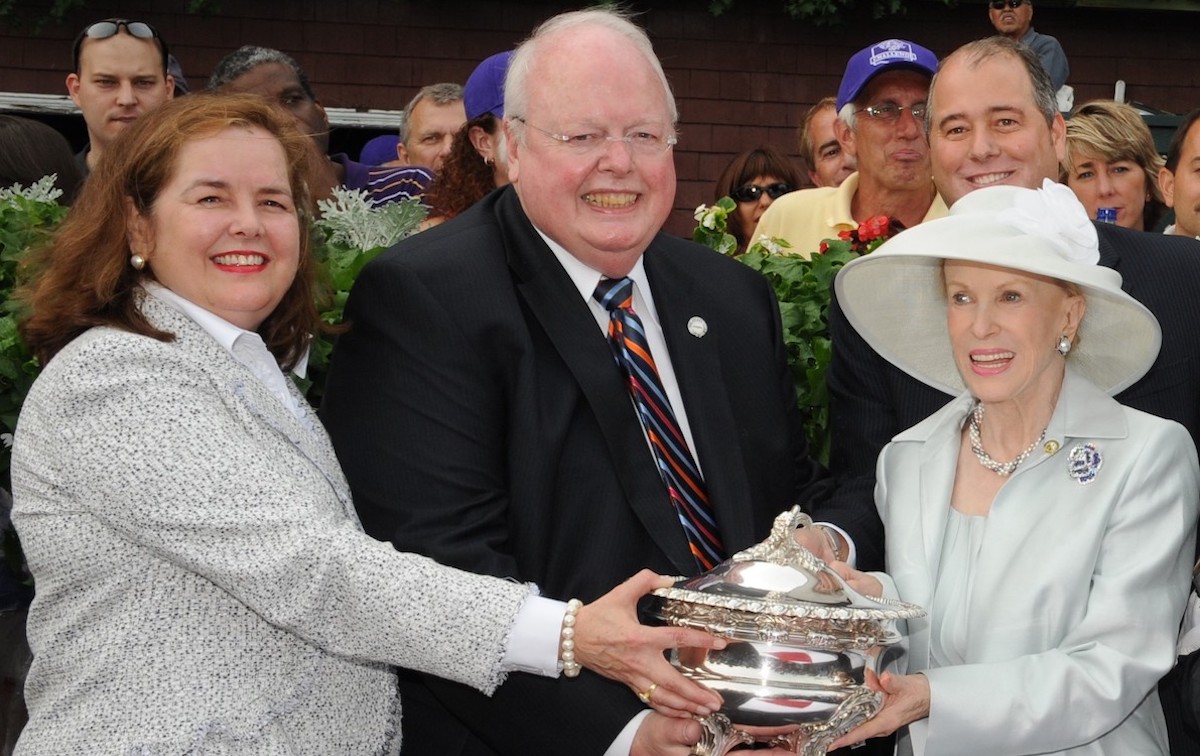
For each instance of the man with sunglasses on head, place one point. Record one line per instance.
(1014, 19)
(119, 74)
(880, 103)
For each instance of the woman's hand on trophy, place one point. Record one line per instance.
(906, 700)
(864, 583)
(610, 641)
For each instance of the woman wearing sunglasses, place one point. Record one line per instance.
(755, 179)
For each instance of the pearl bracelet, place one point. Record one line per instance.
(566, 648)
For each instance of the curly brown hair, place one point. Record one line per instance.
(465, 178)
(82, 278)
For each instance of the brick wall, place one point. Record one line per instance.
(741, 80)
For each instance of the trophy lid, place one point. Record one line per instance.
(780, 578)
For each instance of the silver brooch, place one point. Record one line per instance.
(696, 326)
(1084, 462)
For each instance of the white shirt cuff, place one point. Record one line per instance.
(624, 742)
(534, 637)
(852, 555)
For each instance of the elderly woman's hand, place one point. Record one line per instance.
(610, 641)
(906, 700)
(864, 583)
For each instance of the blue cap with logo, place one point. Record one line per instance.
(888, 55)
(484, 91)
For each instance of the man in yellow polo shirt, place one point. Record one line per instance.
(881, 106)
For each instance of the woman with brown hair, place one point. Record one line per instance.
(755, 179)
(203, 582)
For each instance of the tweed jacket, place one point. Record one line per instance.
(203, 583)
(1077, 592)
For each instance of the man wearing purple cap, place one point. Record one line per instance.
(880, 103)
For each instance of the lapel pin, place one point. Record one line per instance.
(697, 327)
(1084, 462)
(1051, 447)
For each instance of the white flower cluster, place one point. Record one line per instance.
(1055, 214)
(349, 219)
(42, 190)
(774, 245)
(708, 216)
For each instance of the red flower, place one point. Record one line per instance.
(846, 234)
(875, 227)
(823, 248)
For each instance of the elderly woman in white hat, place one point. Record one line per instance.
(1048, 529)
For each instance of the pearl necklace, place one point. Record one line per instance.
(1003, 469)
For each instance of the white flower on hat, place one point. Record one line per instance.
(1055, 214)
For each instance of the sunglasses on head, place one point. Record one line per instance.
(110, 28)
(751, 192)
(998, 4)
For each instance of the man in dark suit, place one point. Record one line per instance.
(992, 118)
(482, 419)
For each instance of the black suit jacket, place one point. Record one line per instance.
(481, 419)
(871, 400)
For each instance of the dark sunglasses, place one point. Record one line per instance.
(998, 4)
(110, 28)
(751, 192)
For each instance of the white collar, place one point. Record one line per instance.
(586, 278)
(1170, 231)
(225, 333)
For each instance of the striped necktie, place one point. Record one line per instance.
(678, 470)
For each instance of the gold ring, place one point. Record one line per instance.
(647, 695)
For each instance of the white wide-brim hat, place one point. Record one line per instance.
(895, 297)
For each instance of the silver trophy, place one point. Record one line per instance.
(800, 642)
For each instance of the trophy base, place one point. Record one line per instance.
(721, 736)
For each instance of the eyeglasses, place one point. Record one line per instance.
(751, 192)
(889, 112)
(641, 141)
(110, 28)
(998, 4)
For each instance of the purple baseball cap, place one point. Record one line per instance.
(888, 55)
(484, 92)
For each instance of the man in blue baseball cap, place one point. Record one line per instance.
(881, 104)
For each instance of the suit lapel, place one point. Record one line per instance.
(555, 304)
(697, 366)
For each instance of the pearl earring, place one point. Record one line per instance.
(137, 261)
(1064, 345)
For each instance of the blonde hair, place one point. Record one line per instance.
(1112, 131)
